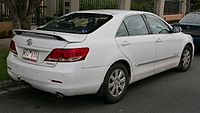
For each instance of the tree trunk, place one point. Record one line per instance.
(16, 22)
(27, 22)
(188, 6)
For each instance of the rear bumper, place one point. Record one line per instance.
(75, 79)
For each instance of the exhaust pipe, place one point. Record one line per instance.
(19, 78)
(59, 95)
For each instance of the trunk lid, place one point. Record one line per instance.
(33, 46)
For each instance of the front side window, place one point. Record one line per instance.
(77, 23)
(136, 25)
(157, 26)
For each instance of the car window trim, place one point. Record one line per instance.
(126, 27)
(146, 23)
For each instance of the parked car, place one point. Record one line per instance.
(191, 25)
(97, 51)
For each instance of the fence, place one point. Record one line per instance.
(98, 4)
(143, 5)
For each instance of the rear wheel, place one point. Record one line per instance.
(115, 83)
(186, 59)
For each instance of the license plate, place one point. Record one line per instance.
(30, 55)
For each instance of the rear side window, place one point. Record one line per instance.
(78, 23)
(122, 31)
(136, 25)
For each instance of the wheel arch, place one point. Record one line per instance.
(190, 44)
(126, 64)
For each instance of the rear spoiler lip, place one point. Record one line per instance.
(72, 38)
(19, 32)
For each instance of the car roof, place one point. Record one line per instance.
(112, 12)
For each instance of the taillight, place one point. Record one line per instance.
(67, 55)
(13, 47)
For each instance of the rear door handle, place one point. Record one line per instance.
(125, 43)
(159, 40)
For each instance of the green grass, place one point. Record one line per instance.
(3, 68)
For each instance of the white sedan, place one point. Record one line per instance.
(97, 51)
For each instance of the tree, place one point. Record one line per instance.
(21, 11)
(188, 5)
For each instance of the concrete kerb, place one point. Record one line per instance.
(7, 83)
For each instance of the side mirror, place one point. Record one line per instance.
(176, 29)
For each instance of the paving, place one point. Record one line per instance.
(4, 43)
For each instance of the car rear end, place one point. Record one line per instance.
(53, 61)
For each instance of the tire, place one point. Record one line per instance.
(115, 83)
(186, 59)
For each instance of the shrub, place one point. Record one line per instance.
(3, 34)
(10, 34)
(48, 19)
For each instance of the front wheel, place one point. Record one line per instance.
(186, 59)
(115, 83)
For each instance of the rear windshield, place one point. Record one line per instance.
(191, 18)
(78, 23)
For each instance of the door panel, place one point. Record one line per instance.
(141, 51)
(167, 43)
(168, 50)
(137, 45)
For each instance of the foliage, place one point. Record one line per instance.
(21, 11)
(195, 5)
(3, 34)
(6, 34)
(3, 68)
(98, 4)
(48, 19)
(144, 5)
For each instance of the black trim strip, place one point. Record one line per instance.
(156, 60)
(21, 32)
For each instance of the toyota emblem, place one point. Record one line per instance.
(29, 42)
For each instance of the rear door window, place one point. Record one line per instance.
(136, 25)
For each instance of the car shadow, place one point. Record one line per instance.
(197, 51)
